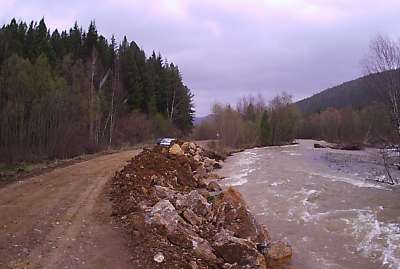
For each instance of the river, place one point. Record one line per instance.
(320, 202)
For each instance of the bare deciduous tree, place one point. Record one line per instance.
(383, 65)
(384, 59)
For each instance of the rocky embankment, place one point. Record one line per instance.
(178, 216)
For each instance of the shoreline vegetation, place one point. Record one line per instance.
(177, 215)
(251, 123)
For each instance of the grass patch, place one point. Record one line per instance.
(12, 169)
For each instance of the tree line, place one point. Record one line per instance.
(252, 122)
(374, 123)
(70, 92)
(370, 125)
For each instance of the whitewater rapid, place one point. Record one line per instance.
(323, 202)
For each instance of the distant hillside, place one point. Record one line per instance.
(199, 120)
(356, 94)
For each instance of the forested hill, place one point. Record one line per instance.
(67, 92)
(353, 94)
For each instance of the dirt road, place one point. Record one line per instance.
(61, 219)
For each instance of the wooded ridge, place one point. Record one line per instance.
(69, 92)
(355, 94)
(353, 112)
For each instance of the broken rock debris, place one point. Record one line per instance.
(178, 218)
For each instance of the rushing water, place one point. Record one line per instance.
(319, 201)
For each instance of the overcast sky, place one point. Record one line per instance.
(229, 48)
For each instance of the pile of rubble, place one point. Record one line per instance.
(179, 217)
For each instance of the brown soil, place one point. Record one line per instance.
(46, 166)
(62, 219)
(170, 212)
(133, 186)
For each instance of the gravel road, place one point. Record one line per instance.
(62, 219)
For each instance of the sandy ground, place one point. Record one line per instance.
(62, 219)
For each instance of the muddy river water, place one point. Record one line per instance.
(323, 202)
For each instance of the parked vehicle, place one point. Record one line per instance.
(166, 141)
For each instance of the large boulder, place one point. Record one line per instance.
(164, 214)
(238, 250)
(176, 150)
(203, 250)
(185, 147)
(189, 148)
(210, 164)
(195, 202)
(191, 217)
(214, 187)
(278, 255)
(192, 146)
(165, 193)
(197, 158)
(200, 172)
(230, 212)
(164, 218)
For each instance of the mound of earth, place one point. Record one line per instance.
(178, 217)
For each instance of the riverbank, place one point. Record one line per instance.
(177, 215)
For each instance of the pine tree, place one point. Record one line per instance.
(133, 80)
(75, 41)
(57, 45)
(90, 41)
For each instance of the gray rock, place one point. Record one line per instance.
(209, 164)
(165, 193)
(196, 202)
(238, 250)
(278, 254)
(203, 249)
(164, 216)
(191, 217)
(214, 186)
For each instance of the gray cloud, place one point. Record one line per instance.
(229, 48)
